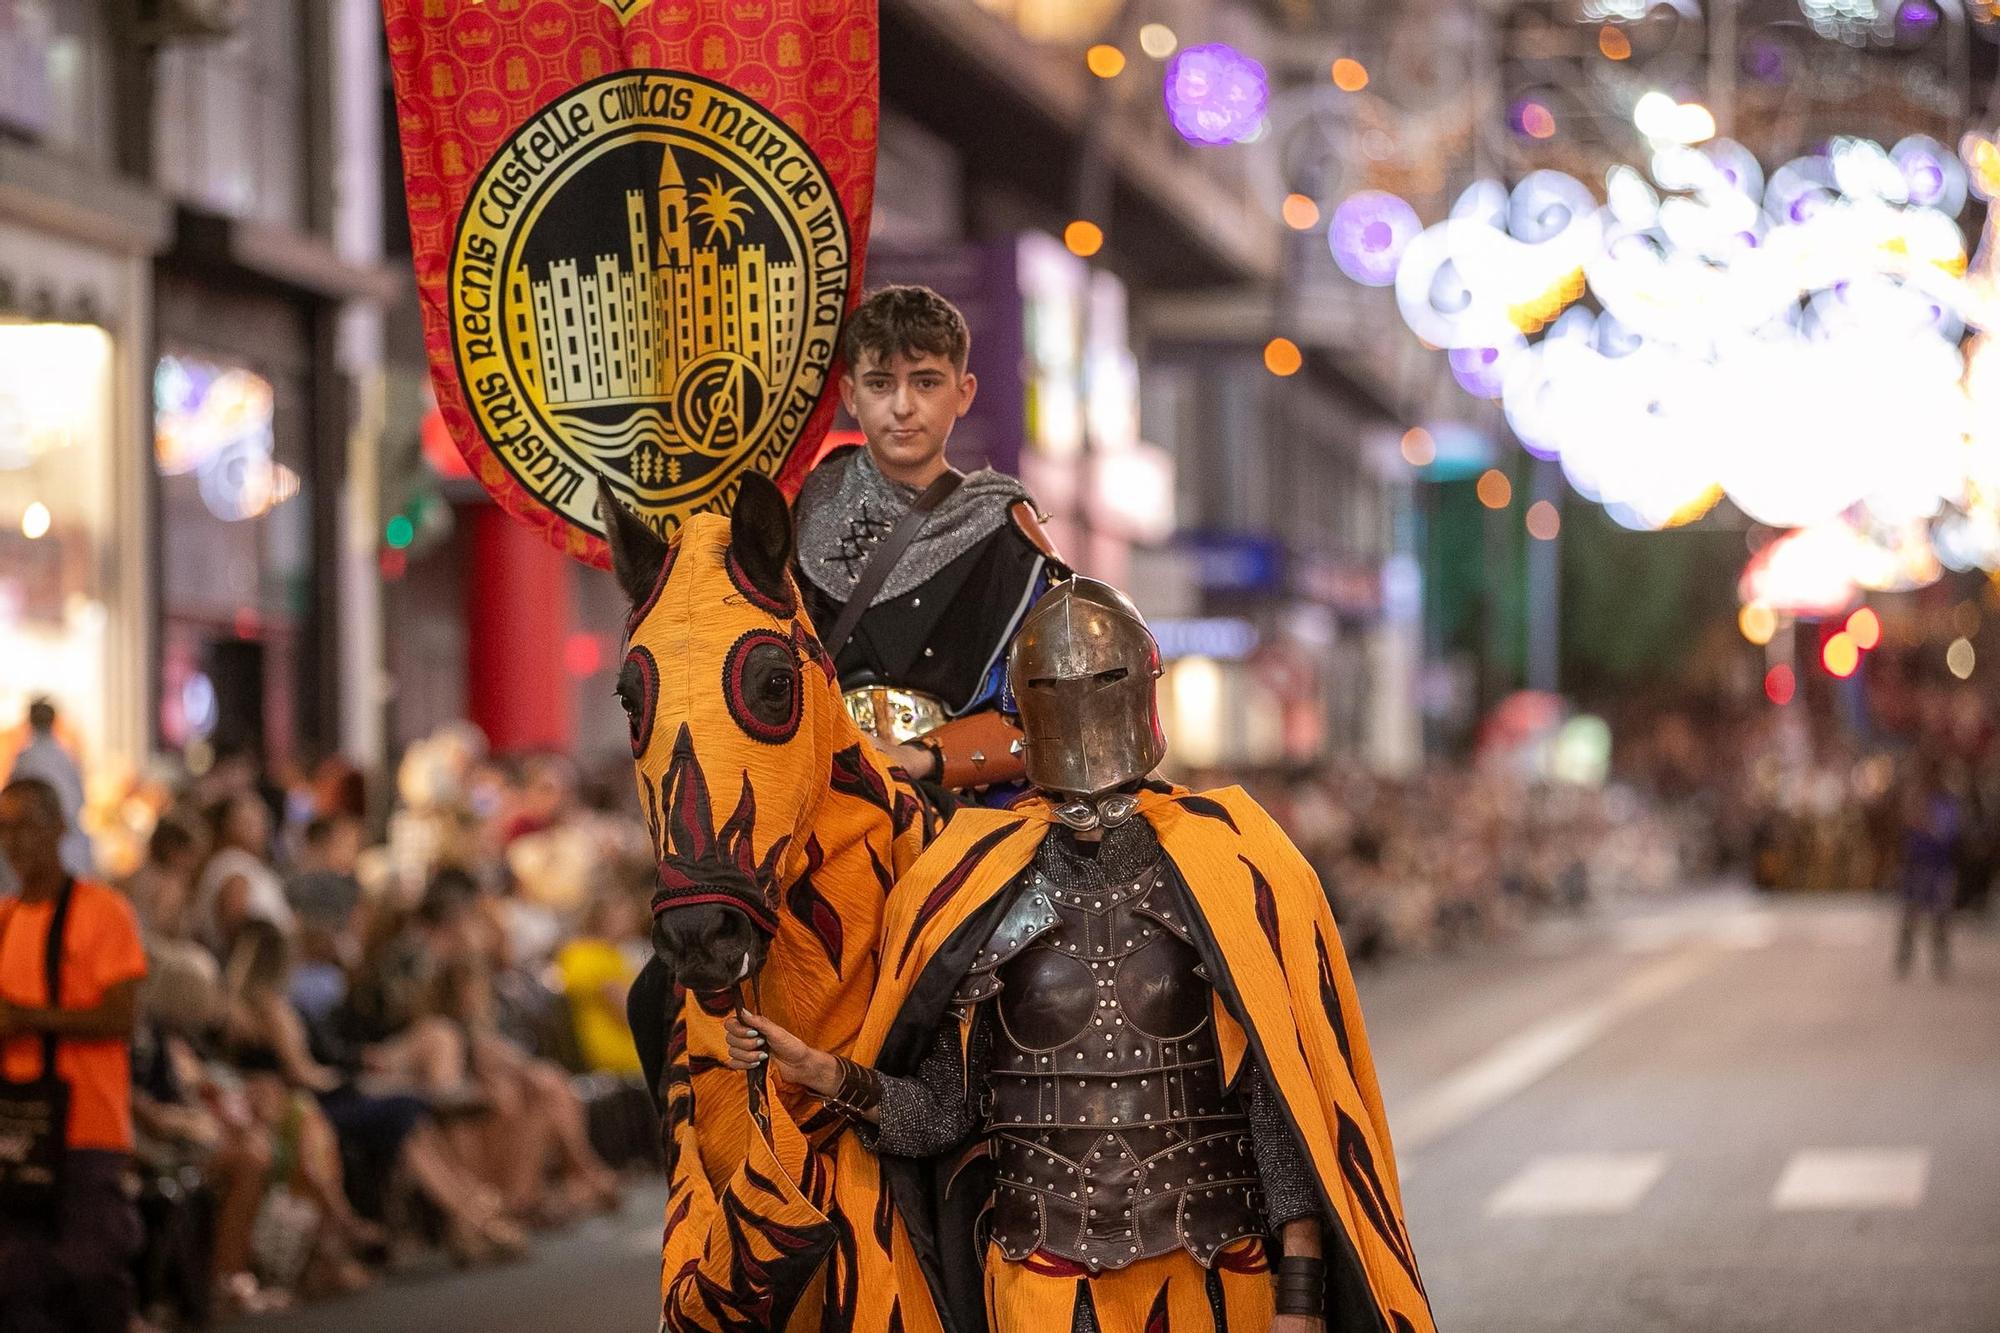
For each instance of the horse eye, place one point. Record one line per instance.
(762, 680)
(638, 690)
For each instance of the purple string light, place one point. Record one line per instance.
(1215, 94)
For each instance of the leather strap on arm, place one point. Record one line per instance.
(977, 750)
(1029, 523)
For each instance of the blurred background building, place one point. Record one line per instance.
(191, 297)
(1275, 376)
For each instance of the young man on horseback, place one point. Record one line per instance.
(1114, 1068)
(890, 536)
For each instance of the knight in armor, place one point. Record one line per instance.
(916, 575)
(1115, 1070)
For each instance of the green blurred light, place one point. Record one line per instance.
(400, 532)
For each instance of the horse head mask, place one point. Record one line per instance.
(733, 711)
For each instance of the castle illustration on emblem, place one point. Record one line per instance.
(689, 315)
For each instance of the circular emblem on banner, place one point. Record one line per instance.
(647, 284)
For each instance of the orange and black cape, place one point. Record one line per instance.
(1283, 998)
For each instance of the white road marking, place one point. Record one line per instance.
(1583, 1184)
(1530, 1056)
(1819, 1179)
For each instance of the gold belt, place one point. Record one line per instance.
(890, 714)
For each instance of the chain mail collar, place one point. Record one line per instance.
(1127, 852)
(847, 507)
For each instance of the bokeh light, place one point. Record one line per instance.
(1157, 40)
(1368, 235)
(1480, 371)
(1282, 357)
(1349, 75)
(1418, 448)
(1495, 491)
(1105, 61)
(399, 532)
(1614, 44)
(1083, 237)
(1300, 212)
(1704, 329)
(1780, 685)
(1215, 94)
(1534, 120)
(1959, 659)
(35, 521)
(1865, 628)
(1544, 521)
(1841, 655)
(1758, 622)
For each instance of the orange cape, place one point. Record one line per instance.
(1284, 998)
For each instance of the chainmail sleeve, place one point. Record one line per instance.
(938, 1109)
(1289, 1193)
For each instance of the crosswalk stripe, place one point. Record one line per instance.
(1583, 1184)
(1819, 1179)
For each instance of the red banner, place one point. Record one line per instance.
(638, 225)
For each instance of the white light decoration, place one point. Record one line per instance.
(1791, 340)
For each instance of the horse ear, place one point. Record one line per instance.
(637, 552)
(760, 533)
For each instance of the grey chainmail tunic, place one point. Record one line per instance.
(946, 1101)
(846, 507)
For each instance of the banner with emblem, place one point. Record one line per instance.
(637, 226)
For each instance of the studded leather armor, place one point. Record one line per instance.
(1112, 1136)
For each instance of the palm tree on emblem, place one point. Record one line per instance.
(719, 209)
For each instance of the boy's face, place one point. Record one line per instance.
(906, 408)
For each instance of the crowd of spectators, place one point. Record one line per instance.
(372, 1033)
(1459, 854)
(353, 1052)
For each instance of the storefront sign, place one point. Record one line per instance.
(637, 229)
(1222, 638)
(1228, 562)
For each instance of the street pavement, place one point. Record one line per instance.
(1710, 1112)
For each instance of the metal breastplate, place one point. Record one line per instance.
(1112, 1136)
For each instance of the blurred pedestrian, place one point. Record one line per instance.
(162, 889)
(44, 757)
(69, 1268)
(237, 884)
(1933, 818)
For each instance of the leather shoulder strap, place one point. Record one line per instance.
(883, 562)
(52, 969)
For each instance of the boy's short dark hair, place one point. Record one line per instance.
(907, 319)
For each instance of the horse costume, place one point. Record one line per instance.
(779, 831)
